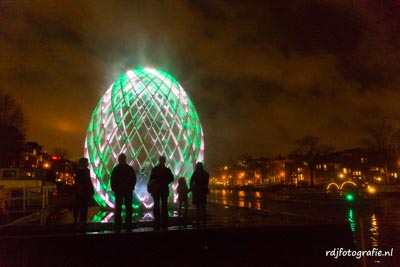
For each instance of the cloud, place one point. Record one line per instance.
(260, 77)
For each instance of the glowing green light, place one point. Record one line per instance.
(145, 113)
(349, 197)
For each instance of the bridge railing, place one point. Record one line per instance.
(22, 199)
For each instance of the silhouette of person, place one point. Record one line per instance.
(199, 189)
(160, 177)
(182, 191)
(123, 181)
(83, 190)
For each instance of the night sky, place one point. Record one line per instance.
(261, 75)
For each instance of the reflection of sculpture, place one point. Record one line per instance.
(145, 113)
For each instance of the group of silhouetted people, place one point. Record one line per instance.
(123, 181)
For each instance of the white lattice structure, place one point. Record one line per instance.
(145, 113)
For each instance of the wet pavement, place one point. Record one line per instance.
(102, 221)
(232, 237)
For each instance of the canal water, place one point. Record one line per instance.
(375, 226)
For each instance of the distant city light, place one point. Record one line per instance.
(349, 197)
(347, 182)
(145, 113)
(334, 185)
(371, 189)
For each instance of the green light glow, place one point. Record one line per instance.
(349, 197)
(145, 113)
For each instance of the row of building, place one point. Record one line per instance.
(358, 165)
(37, 163)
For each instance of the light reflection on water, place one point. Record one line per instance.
(243, 199)
(108, 217)
(372, 226)
(351, 221)
(374, 230)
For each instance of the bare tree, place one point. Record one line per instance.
(383, 139)
(11, 114)
(310, 149)
(12, 130)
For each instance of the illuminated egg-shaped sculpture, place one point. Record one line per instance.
(144, 114)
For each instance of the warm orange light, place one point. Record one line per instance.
(371, 189)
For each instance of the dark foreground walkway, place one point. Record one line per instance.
(241, 246)
(248, 239)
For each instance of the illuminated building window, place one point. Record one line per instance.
(364, 160)
(242, 163)
(321, 167)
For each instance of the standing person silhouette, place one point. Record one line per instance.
(83, 190)
(199, 188)
(182, 191)
(123, 181)
(160, 178)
